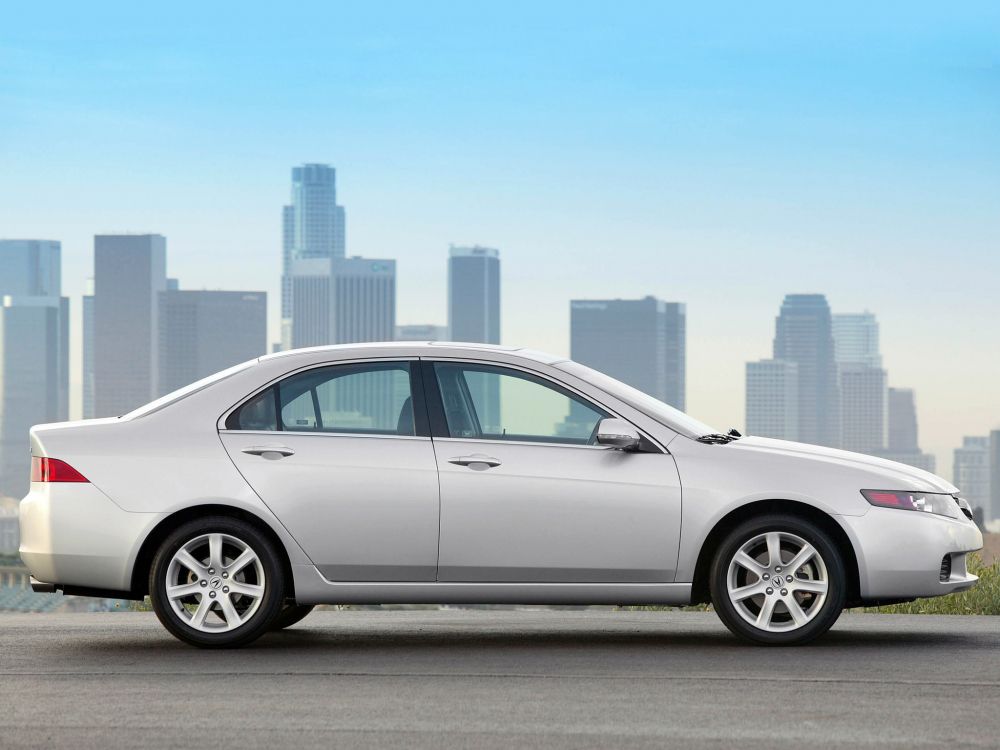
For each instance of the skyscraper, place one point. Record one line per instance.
(863, 382)
(310, 285)
(995, 473)
(474, 294)
(364, 300)
(202, 332)
(903, 443)
(313, 226)
(972, 475)
(640, 342)
(856, 339)
(129, 274)
(34, 352)
(87, 386)
(772, 399)
(803, 334)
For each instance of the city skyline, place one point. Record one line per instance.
(605, 158)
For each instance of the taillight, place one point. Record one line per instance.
(45, 469)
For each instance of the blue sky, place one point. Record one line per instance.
(721, 156)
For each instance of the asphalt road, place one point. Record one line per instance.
(490, 679)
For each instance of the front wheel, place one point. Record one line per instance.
(217, 583)
(778, 580)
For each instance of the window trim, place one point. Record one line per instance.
(421, 428)
(439, 420)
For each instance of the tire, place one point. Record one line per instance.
(744, 581)
(291, 614)
(192, 575)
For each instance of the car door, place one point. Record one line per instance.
(342, 455)
(526, 495)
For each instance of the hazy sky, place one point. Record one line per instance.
(721, 157)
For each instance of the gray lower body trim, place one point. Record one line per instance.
(471, 574)
(312, 588)
(378, 573)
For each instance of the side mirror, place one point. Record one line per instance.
(617, 433)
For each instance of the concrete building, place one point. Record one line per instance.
(421, 332)
(34, 352)
(863, 408)
(202, 332)
(772, 399)
(129, 274)
(364, 300)
(971, 474)
(804, 335)
(87, 384)
(474, 294)
(856, 339)
(904, 443)
(313, 226)
(640, 342)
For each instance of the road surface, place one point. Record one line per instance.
(492, 679)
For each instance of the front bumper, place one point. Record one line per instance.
(73, 535)
(900, 553)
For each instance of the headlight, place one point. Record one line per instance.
(928, 502)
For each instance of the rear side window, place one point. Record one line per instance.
(363, 399)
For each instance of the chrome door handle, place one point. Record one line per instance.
(260, 450)
(476, 458)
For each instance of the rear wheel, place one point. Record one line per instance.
(291, 614)
(779, 580)
(217, 583)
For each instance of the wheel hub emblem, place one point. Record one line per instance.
(215, 583)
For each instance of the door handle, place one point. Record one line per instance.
(260, 450)
(476, 458)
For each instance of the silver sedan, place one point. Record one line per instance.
(453, 474)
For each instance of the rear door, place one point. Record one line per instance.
(342, 455)
(527, 495)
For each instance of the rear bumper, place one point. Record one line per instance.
(900, 553)
(74, 536)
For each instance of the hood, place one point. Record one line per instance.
(892, 474)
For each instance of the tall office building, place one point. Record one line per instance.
(421, 332)
(310, 285)
(971, 474)
(863, 382)
(903, 444)
(863, 408)
(803, 334)
(129, 274)
(363, 300)
(856, 339)
(772, 399)
(34, 352)
(313, 226)
(640, 342)
(995, 474)
(474, 294)
(202, 332)
(87, 386)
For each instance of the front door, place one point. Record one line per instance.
(527, 495)
(338, 456)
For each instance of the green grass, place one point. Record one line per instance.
(982, 599)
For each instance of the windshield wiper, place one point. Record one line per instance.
(717, 438)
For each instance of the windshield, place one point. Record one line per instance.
(661, 412)
(187, 390)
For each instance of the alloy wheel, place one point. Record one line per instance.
(215, 583)
(777, 581)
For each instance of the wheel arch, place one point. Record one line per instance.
(700, 582)
(153, 540)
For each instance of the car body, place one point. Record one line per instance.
(408, 485)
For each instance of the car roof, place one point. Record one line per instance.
(421, 348)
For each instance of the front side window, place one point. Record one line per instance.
(496, 403)
(365, 399)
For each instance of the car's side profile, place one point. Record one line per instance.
(452, 473)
